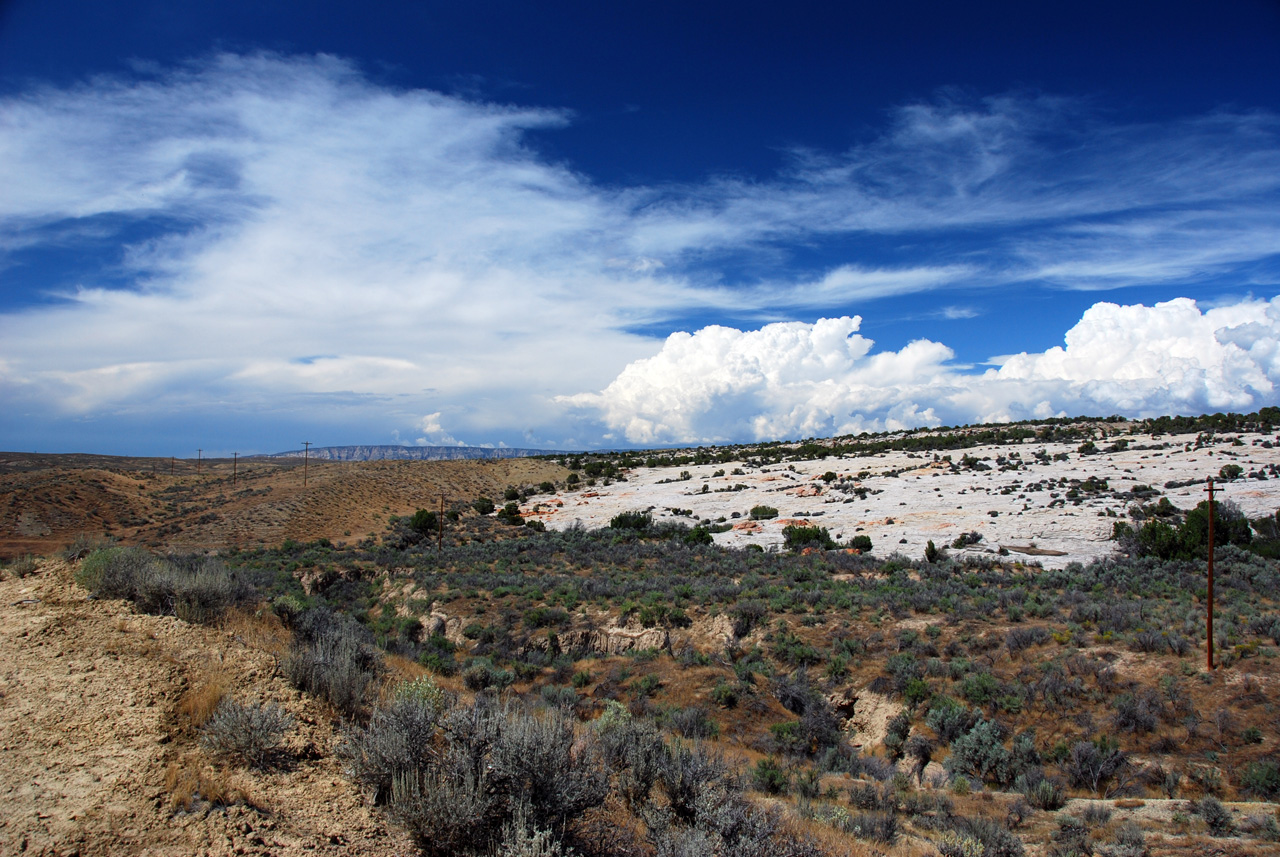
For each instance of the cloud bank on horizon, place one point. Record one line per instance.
(791, 379)
(281, 236)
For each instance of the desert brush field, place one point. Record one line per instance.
(973, 642)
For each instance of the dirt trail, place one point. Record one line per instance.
(88, 730)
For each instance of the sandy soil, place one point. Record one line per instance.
(88, 731)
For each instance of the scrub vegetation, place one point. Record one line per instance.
(638, 689)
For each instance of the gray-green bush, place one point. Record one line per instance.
(400, 737)
(246, 732)
(195, 589)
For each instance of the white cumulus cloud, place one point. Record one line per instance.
(433, 433)
(792, 379)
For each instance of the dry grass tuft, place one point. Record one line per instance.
(190, 786)
(201, 699)
(258, 629)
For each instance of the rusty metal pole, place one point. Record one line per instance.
(199, 455)
(440, 527)
(306, 455)
(1210, 616)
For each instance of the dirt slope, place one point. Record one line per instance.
(47, 500)
(89, 729)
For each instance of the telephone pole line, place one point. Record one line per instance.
(306, 454)
(1210, 612)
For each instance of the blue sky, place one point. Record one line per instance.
(237, 226)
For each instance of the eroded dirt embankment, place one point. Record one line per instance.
(91, 738)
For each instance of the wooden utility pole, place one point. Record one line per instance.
(306, 454)
(199, 453)
(235, 459)
(440, 527)
(171, 460)
(1210, 615)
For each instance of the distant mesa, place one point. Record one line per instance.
(408, 453)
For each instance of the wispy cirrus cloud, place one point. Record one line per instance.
(261, 210)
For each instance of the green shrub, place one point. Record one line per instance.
(950, 719)
(1093, 764)
(1046, 795)
(981, 753)
(768, 777)
(1262, 778)
(798, 538)
(483, 506)
(699, 535)
(424, 522)
(638, 521)
(510, 514)
(979, 688)
(481, 674)
(724, 694)
(896, 732)
(952, 844)
(761, 513)
(916, 692)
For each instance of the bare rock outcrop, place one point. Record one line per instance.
(441, 624)
(871, 715)
(611, 640)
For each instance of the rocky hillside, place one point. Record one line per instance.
(47, 501)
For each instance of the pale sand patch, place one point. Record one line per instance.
(902, 512)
